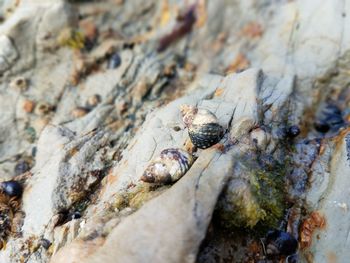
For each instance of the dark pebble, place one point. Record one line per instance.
(293, 131)
(21, 167)
(45, 243)
(284, 242)
(12, 188)
(114, 61)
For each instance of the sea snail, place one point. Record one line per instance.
(169, 167)
(203, 126)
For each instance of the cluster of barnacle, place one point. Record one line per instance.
(204, 131)
(10, 193)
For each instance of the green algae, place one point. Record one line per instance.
(254, 196)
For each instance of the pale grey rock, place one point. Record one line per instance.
(183, 227)
(332, 189)
(302, 38)
(8, 53)
(66, 167)
(186, 207)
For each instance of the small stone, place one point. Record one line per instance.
(75, 215)
(40, 123)
(169, 70)
(45, 243)
(21, 167)
(260, 138)
(28, 106)
(293, 131)
(122, 107)
(19, 83)
(30, 134)
(79, 112)
(190, 67)
(93, 101)
(114, 61)
(140, 90)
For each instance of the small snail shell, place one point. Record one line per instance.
(203, 126)
(169, 167)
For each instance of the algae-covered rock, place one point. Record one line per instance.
(254, 195)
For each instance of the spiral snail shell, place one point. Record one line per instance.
(169, 167)
(203, 126)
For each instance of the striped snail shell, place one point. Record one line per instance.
(203, 126)
(169, 167)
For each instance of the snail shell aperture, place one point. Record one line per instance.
(169, 167)
(203, 126)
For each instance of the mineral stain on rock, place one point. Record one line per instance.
(347, 139)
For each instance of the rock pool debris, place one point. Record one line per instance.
(10, 193)
(293, 131)
(203, 126)
(169, 167)
(278, 242)
(329, 118)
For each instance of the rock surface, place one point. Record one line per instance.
(88, 100)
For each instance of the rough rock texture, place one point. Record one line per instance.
(91, 92)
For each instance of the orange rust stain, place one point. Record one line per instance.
(342, 133)
(252, 30)
(331, 257)
(254, 247)
(322, 148)
(165, 13)
(111, 177)
(347, 118)
(310, 224)
(218, 92)
(240, 62)
(201, 13)
(220, 147)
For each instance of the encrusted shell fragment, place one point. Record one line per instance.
(169, 167)
(203, 126)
